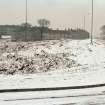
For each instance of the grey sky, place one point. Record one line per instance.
(61, 13)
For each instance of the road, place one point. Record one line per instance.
(85, 96)
(90, 93)
(79, 100)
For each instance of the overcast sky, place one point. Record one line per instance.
(61, 13)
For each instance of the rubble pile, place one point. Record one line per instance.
(51, 56)
(33, 57)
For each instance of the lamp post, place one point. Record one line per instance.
(26, 22)
(84, 23)
(92, 24)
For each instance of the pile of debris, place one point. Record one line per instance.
(26, 58)
(46, 56)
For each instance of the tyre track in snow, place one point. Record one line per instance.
(91, 95)
(51, 88)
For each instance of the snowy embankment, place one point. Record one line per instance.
(66, 63)
(51, 56)
(71, 62)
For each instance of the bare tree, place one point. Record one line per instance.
(43, 24)
(28, 25)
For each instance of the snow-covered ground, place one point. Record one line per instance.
(89, 96)
(54, 64)
(51, 56)
(89, 100)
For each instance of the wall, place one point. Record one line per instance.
(17, 33)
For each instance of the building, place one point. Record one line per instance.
(20, 33)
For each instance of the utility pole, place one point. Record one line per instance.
(84, 23)
(92, 23)
(26, 23)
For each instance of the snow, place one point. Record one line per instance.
(79, 96)
(86, 67)
(82, 52)
(6, 37)
(98, 100)
(52, 80)
(89, 64)
(51, 56)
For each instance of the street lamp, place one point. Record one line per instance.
(84, 23)
(26, 22)
(92, 24)
(26, 11)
